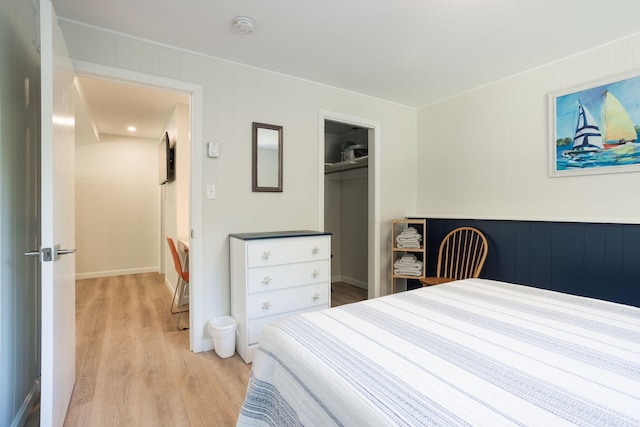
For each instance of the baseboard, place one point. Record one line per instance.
(207, 344)
(170, 286)
(354, 282)
(30, 400)
(336, 279)
(124, 272)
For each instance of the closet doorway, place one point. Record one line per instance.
(346, 201)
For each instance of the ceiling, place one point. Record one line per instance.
(412, 52)
(112, 107)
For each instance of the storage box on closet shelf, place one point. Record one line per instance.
(353, 152)
(408, 264)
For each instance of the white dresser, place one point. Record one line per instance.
(275, 275)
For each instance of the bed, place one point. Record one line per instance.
(472, 352)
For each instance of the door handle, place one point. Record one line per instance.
(57, 252)
(48, 255)
(44, 254)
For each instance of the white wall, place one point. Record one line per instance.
(332, 224)
(484, 154)
(117, 206)
(354, 242)
(346, 217)
(175, 194)
(182, 144)
(234, 97)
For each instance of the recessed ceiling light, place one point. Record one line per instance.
(243, 24)
(131, 128)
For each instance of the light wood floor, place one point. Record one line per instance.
(133, 368)
(342, 293)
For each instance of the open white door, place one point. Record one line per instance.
(57, 227)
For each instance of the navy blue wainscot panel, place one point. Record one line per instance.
(590, 259)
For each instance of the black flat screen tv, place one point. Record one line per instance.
(166, 160)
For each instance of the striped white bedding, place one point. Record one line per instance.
(474, 352)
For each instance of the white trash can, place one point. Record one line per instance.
(223, 331)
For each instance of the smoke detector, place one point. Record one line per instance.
(243, 24)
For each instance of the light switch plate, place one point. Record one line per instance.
(213, 149)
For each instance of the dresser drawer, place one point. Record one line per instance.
(267, 252)
(257, 325)
(269, 303)
(283, 276)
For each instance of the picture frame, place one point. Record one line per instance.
(594, 127)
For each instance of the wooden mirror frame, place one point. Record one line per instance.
(256, 160)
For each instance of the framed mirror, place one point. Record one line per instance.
(267, 157)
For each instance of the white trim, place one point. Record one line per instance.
(29, 401)
(196, 270)
(122, 272)
(374, 254)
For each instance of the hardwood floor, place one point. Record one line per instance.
(135, 369)
(343, 293)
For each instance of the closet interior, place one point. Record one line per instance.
(346, 201)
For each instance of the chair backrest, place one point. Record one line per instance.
(176, 259)
(462, 254)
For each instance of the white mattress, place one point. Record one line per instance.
(473, 352)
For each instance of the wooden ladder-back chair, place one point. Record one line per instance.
(183, 279)
(461, 256)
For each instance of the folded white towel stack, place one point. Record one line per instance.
(409, 238)
(408, 265)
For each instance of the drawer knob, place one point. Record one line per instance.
(266, 305)
(266, 280)
(315, 273)
(266, 255)
(315, 250)
(316, 296)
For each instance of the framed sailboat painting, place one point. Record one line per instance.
(594, 128)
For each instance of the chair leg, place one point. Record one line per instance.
(184, 286)
(175, 292)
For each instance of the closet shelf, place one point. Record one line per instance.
(360, 162)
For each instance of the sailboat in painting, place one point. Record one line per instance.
(587, 137)
(613, 143)
(618, 127)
